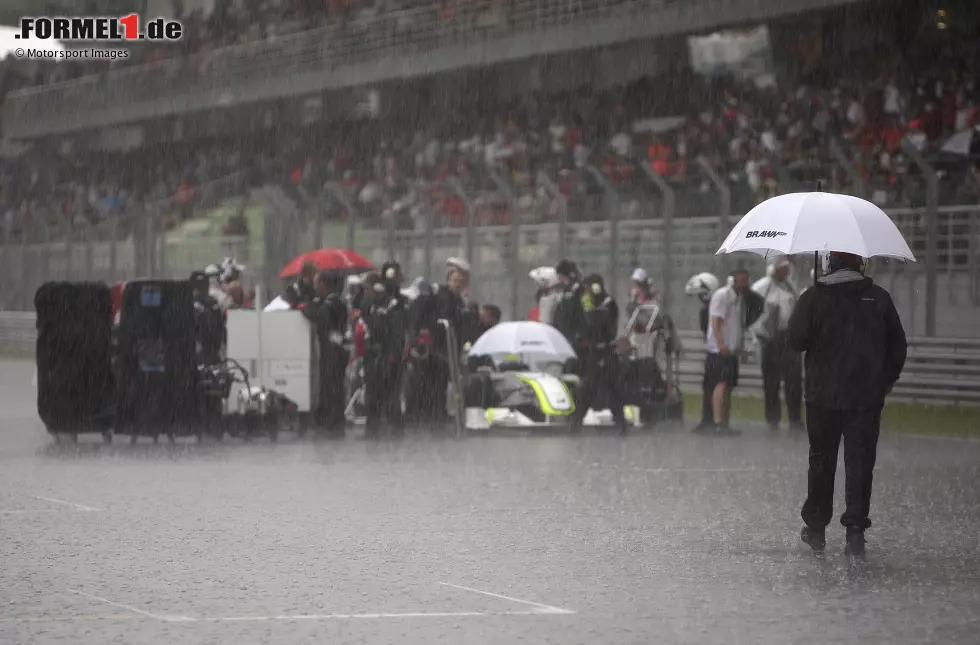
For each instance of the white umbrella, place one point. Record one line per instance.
(523, 338)
(817, 222)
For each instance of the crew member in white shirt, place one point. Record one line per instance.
(780, 364)
(724, 340)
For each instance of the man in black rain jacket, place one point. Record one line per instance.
(569, 318)
(209, 322)
(300, 293)
(386, 318)
(855, 350)
(431, 380)
(601, 374)
(328, 312)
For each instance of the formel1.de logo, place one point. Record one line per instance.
(98, 28)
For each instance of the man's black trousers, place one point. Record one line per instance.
(333, 399)
(382, 393)
(780, 364)
(428, 385)
(602, 380)
(825, 427)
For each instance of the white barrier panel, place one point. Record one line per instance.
(287, 352)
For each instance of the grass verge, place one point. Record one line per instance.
(898, 418)
(14, 354)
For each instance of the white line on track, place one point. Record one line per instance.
(80, 507)
(419, 614)
(167, 619)
(747, 469)
(541, 608)
(537, 609)
(24, 511)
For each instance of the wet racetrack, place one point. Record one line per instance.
(668, 538)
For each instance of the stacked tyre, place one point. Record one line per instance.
(75, 384)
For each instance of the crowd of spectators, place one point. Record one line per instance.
(46, 195)
(762, 135)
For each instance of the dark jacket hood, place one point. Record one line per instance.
(853, 287)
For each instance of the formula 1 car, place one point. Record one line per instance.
(519, 375)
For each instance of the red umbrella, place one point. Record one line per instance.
(328, 260)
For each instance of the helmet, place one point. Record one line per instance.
(702, 284)
(545, 277)
(834, 261)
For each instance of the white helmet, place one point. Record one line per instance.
(545, 277)
(702, 284)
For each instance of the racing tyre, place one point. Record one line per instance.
(107, 437)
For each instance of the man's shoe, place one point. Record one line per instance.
(855, 542)
(725, 431)
(817, 539)
(703, 428)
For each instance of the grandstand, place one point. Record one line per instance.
(618, 131)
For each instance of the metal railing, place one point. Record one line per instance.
(938, 370)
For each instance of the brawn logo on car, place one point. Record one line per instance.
(764, 234)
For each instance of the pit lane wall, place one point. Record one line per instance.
(944, 371)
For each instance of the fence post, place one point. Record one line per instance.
(148, 224)
(786, 179)
(90, 252)
(335, 191)
(113, 248)
(69, 241)
(932, 231)
(724, 203)
(320, 220)
(670, 207)
(45, 251)
(515, 241)
(611, 198)
(424, 201)
(457, 189)
(972, 258)
(848, 165)
(556, 194)
(161, 219)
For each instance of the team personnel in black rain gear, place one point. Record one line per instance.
(855, 351)
(430, 382)
(328, 312)
(301, 293)
(386, 318)
(601, 376)
(209, 323)
(569, 317)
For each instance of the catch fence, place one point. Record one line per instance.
(671, 249)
